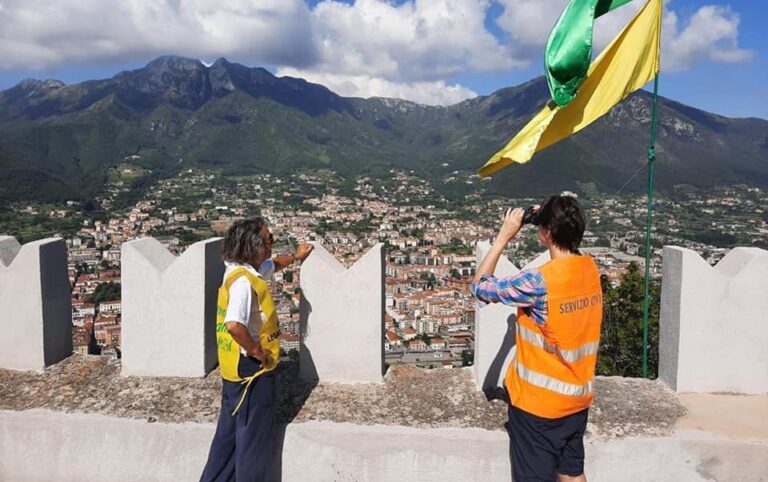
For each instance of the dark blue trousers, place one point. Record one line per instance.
(243, 448)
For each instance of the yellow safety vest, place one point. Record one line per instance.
(269, 336)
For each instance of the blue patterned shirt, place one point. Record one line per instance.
(525, 290)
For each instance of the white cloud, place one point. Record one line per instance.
(40, 34)
(418, 40)
(368, 48)
(529, 22)
(435, 92)
(710, 34)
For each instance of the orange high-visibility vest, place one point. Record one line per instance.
(552, 373)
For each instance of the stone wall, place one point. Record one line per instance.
(713, 336)
(42, 445)
(713, 326)
(342, 318)
(169, 308)
(36, 320)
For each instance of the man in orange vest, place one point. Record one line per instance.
(550, 379)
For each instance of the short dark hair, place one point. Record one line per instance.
(243, 241)
(563, 218)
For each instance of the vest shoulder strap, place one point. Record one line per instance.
(257, 283)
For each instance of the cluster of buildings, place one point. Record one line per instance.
(429, 243)
(96, 312)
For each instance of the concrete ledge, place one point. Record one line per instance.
(42, 445)
(419, 425)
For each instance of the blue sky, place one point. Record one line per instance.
(429, 51)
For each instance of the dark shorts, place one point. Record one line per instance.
(541, 448)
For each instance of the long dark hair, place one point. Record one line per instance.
(243, 242)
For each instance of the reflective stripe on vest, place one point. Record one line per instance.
(571, 356)
(552, 384)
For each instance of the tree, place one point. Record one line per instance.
(603, 242)
(621, 344)
(105, 292)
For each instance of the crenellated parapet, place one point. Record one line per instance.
(714, 322)
(35, 306)
(713, 335)
(342, 318)
(169, 308)
(417, 425)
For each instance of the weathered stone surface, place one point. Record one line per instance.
(342, 318)
(36, 321)
(409, 397)
(164, 298)
(631, 407)
(712, 322)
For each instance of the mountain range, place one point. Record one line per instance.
(58, 141)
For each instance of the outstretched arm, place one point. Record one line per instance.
(284, 260)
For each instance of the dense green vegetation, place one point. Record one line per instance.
(456, 247)
(355, 227)
(30, 227)
(185, 236)
(621, 343)
(105, 292)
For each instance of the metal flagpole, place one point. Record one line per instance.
(651, 159)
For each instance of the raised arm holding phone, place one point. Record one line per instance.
(550, 380)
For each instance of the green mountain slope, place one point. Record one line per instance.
(58, 141)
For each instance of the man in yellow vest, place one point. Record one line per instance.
(248, 339)
(550, 380)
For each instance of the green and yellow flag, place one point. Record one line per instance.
(569, 47)
(627, 64)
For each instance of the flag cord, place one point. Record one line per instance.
(630, 178)
(651, 161)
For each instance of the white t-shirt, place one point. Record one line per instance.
(243, 306)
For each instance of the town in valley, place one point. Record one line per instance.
(429, 228)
